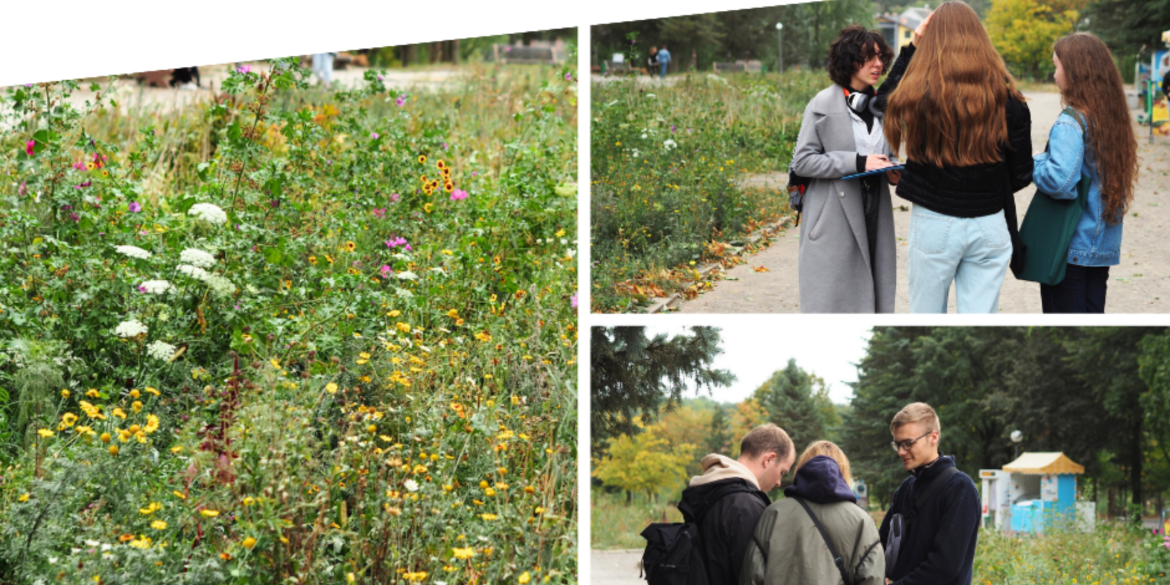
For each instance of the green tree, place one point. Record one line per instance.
(634, 375)
(788, 399)
(719, 434)
(1128, 26)
(1023, 31)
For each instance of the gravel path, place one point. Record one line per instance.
(1140, 284)
(615, 567)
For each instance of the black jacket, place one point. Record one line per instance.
(725, 525)
(938, 547)
(972, 191)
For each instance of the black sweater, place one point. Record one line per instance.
(972, 191)
(938, 547)
(726, 525)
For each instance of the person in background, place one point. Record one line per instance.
(323, 67)
(1091, 86)
(663, 60)
(652, 61)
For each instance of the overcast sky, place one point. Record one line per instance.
(753, 352)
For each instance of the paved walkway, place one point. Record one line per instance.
(615, 567)
(1140, 284)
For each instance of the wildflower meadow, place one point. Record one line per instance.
(290, 335)
(670, 163)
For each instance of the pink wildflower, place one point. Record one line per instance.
(28, 147)
(386, 271)
(134, 207)
(373, 135)
(380, 213)
(401, 101)
(573, 300)
(244, 69)
(394, 197)
(458, 195)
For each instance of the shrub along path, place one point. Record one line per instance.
(1140, 284)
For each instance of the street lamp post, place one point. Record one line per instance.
(780, 37)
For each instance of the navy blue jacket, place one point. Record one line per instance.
(938, 547)
(819, 480)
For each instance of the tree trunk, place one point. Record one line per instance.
(455, 51)
(629, 497)
(1112, 503)
(1135, 470)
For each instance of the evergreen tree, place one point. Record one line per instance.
(787, 397)
(633, 375)
(719, 437)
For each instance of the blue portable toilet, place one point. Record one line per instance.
(1043, 491)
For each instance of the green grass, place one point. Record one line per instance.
(1112, 555)
(617, 525)
(667, 166)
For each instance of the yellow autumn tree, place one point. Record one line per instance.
(645, 463)
(687, 425)
(1023, 31)
(748, 415)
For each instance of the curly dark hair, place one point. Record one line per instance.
(852, 49)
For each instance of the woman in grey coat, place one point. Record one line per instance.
(847, 255)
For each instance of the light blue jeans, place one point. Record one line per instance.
(973, 252)
(323, 67)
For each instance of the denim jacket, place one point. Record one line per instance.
(1057, 170)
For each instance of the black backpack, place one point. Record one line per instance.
(674, 555)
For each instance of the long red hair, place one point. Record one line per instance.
(950, 106)
(1092, 86)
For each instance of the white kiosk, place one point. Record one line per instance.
(1035, 492)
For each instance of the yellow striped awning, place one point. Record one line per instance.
(1043, 464)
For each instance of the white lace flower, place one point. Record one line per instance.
(209, 213)
(220, 286)
(193, 271)
(669, 144)
(130, 329)
(407, 275)
(133, 252)
(155, 287)
(197, 257)
(160, 350)
(410, 485)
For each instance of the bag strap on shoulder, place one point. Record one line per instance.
(933, 487)
(1076, 116)
(837, 560)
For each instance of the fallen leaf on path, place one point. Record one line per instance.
(761, 269)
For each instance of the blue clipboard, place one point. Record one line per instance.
(873, 172)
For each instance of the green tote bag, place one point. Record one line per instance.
(1048, 229)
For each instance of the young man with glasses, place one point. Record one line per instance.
(930, 530)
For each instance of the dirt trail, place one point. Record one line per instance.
(131, 95)
(1140, 284)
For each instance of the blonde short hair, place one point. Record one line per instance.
(919, 412)
(766, 439)
(828, 449)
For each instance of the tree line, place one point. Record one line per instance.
(1023, 31)
(1100, 395)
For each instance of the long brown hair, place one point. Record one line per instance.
(951, 103)
(1092, 86)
